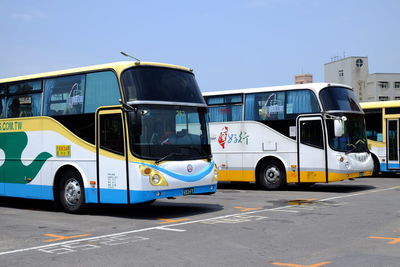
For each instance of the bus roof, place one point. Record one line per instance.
(118, 67)
(313, 86)
(380, 104)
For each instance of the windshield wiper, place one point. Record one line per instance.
(355, 146)
(351, 150)
(168, 156)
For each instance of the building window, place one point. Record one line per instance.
(383, 98)
(341, 73)
(383, 84)
(396, 84)
(359, 63)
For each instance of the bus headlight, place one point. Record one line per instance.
(157, 179)
(347, 165)
(215, 174)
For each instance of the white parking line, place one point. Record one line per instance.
(170, 226)
(359, 194)
(170, 229)
(284, 210)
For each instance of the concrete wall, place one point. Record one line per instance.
(366, 86)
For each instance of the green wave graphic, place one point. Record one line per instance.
(13, 170)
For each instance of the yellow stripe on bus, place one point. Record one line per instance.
(291, 176)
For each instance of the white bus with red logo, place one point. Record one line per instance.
(304, 134)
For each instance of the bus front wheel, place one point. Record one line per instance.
(72, 192)
(271, 175)
(376, 169)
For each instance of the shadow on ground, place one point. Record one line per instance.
(338, 187)
(168, 209)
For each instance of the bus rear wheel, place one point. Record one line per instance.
(271, 175)
(72, 192)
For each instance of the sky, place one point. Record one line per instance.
(230, 44)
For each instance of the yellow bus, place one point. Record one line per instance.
(124, 132)
(382, 122)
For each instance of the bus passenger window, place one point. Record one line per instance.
(2, 101)
(225, 108)
(373, 124)
(265, 106)
(25, 87)
(24, 105)
(102, 89)
(64, 95)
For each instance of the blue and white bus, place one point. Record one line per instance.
(382, 120)
(125, 132)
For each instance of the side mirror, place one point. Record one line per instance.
(339, 127)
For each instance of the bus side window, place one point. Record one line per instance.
(265, 106)
(102, 89)
(111, 133)
(311, 133)
(24, 105)
(2, 99)
(225, 108)
(373, 124)
(64, 95)
(2, 105)
(22, 99)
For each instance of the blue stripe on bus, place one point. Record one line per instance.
(391, 166)
(91, 195)
(186, 178)
(27, 191)
(111, 196)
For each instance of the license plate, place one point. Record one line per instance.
(188, 191)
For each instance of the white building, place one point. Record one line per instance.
(353, 71)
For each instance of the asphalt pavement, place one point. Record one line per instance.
(349, 223)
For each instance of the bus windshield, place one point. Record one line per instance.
(160, 84)
(353, 138)
(170, 132)
(339, 98)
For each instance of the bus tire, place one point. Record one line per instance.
(377, 166)
(271, 175)
(72, 192)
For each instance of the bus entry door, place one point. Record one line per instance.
(111, 157)
(311, 156)
(392, 144)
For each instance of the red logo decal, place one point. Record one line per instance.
(222, 136)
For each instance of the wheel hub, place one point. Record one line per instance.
(272, 174)
(72, 192)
